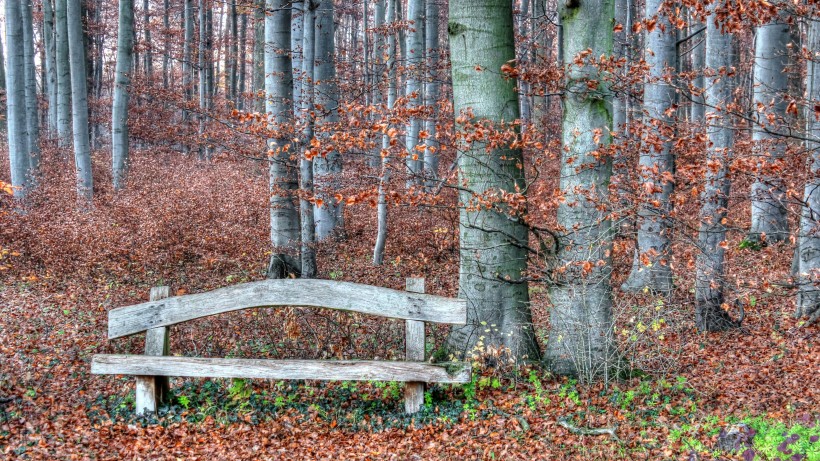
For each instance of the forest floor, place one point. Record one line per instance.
(197, 228)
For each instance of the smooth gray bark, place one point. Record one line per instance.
(493, 241)
(146, 36)
(308, 225)
(580, 342)
(16, 101)
(241, 86)
(808, 298)
(204, 66)
(32, 104)
(259, 56)
(166, 46)
(327, 168)
(63, 74)
(233, 52)
(769, 213)
(720, 85)
(414, 61)
(651, 267)
(50, 51)
(382, 207)
(432, 91)
(284, 175)
(122, 84)
(296, 37)
(79, 100)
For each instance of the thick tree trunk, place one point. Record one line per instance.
(698, 50)
(580, 342)
(413, 89)
(720, 86)
(431, 92)
(16, 101)
(122, 84)
(327, 169)
(308, 229)
(296, 37)
(284, 179)
(32, 104)
(651, 267)
(769, 214)
(50, 49)
(493, 244)
(79, 100)
(808, 298)
(63, 74)
(382, 207)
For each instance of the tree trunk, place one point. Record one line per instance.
(233, 53)
(63, 74)
(808, 298)
(769, 214)
(493, 243)
(413, 89)
(203, 78)
(243, 33)
(296, 38)
(709, 282)
(580, 342)
(698, 50)
(431, 92)
(16, 101)
(284, 180)
(166, 46)
(187, 64)
(79, 100)
(384, 178)
(122, 84)
(149, 50)
(259, 57)
(32, 104)
(50, 65)
(308, 229)
(327, 169)
(651, 267)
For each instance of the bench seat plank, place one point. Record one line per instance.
(325, 370)
(347, 296)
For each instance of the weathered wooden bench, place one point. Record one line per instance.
(153, 368)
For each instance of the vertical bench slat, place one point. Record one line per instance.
(414, 351)
(151, 390)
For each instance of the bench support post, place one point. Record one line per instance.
(414, 351)
(151, 390)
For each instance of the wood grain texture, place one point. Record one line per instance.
(151, 390)
(347, 296)
(323, 370)
(414, 351)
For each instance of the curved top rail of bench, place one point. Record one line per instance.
(347, 296)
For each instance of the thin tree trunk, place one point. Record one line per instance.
(308, 229)
(259, 57)
(327, 169)
(493, 244)
(243, 33)
(203, 78)
(122, 84)
(720, 86)
(63, 74)
(166, 46)
(431, 92)
(413, 89)
(187, 63)
(698, 50)
(233, 33)
(146, 30)
(79, 100)
(769, 214)
(296, 38)
(16, 102)
(581, 341)
(32, 104)
(651, 267)
(49, 46)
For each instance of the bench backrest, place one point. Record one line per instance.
(347, 296)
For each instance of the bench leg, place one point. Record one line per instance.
(152, 390)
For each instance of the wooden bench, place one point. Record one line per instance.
(153, 368)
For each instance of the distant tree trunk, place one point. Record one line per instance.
(541, 57)
(122, 83)
(769, 214)
(166, 46)
(187, 64)
(720, 85)
(431, 92)
(63, 74)
(79, 100)
(382, 207)
(493, 254)
(16, 101)
(50, 49)
(204, 66)
(243, 33)
(233, 33)
(149, 47)
(296, 38)
(808, 298)
(698, 50)
(259, 57)
(651, 267)
(284, 180)
(308, 229)
(413, 89)
(327, 169)
(581, 341)
(32, 104)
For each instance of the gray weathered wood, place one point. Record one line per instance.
(348, 296)
(151, 390)
(324, 370)
(414, 351)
